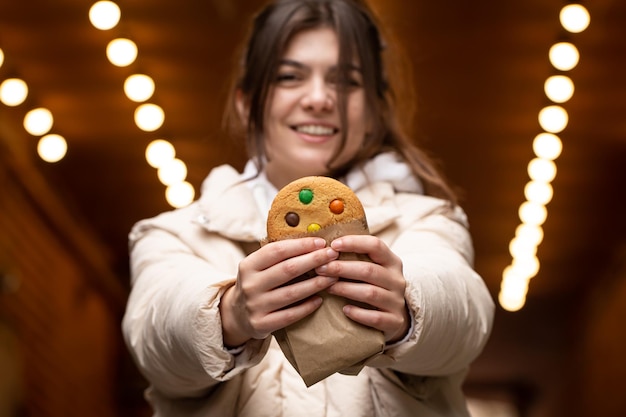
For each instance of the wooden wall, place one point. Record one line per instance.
(60, 305)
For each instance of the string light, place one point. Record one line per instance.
(52, 148)
(547, 146)
(172, 172)
(148, 117)
(13, 92)
(139, 87)
(538, 192)
(38, 121)
(104, 15)
(564, 56)
(532, 213)
(553, 119)
(121, 52)
(179, 194)
(574, 18)
(530, 233)
(559, 88)
(159, 152)
(542, 170)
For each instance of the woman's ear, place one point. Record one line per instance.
(242, 106)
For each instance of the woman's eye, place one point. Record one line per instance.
(352, 81)
(286, 78)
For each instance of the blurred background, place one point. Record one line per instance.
(544, 195)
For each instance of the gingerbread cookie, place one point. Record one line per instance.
(315, 206)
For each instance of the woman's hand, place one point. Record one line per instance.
(260, 302)
(380, 284)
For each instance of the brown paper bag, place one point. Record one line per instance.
(327, 341)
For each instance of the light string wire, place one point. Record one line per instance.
(547, 146)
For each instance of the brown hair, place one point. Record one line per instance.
(359, 36)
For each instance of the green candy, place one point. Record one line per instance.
(306, 196)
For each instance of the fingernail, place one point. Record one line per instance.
(320, 243)
(321, 269)
(332, 253)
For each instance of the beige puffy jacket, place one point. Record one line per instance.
(183, 260)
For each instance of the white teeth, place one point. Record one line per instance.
(315, 130)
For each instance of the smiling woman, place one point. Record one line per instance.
(313, 98)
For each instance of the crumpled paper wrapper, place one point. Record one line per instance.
(326, 341)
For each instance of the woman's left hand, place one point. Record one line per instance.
(379, 283)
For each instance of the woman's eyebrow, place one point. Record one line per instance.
(297, 64)
(292, 63)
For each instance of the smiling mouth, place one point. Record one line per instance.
(316, 130)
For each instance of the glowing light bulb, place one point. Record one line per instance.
(180, 194)
(538, 192)
(1, 57)
(513, 282)
(553, 119)
(547, 146)
(149, 117)
(121, 52)
(574, 18)
(564, 56)
(511, 301)
(13, 92)
(533, 234)
(172, 172)
(159, 152)
(559, 88)
(533, 213)
(52, 148)
(542, 170)
(139, 87)
(38, 121)
(526, 266)
(104, 15)
(520, 247)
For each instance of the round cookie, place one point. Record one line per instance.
(315, 206)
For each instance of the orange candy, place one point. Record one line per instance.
(336, 206)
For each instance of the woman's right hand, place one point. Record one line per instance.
(260, 303)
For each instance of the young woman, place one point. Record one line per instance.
(313, 98)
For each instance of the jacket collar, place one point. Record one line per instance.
(228, 207)
(235, 205)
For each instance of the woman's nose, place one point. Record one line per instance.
(318, 96)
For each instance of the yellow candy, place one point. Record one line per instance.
(313, 227)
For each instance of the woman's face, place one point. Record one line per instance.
(302, 125)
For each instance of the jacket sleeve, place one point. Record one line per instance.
(172, 324)
(450, 303)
